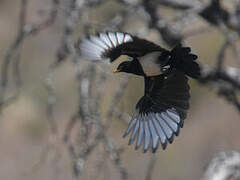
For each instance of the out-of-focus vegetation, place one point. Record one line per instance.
(29, 147)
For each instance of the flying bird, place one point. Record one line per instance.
(161, 111)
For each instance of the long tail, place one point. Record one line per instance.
(183, 60)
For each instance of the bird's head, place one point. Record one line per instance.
(124, 67)
(130, 67)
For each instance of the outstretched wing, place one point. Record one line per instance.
(161, 111)
(110, 45)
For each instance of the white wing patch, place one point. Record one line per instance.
(99, 42)
(120, 37)
(91, 50)
(153, 128)
(95, 47)
(105, 39)
(127, 38)
(113, 38)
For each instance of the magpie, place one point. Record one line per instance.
(161, 111)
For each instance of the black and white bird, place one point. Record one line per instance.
(161, 111)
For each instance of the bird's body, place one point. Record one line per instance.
(160, 112)
(150, 65)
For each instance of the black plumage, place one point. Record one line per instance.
(163, 107)
(136, 48)
(161, 111)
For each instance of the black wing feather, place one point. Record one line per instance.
(161, 111)
(111, 45)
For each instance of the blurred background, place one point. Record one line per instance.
(62, 117)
